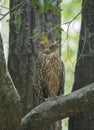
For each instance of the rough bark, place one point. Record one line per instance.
(84, 73)
(10, 105)
(24, 66)
(59, 108)
(23, 61)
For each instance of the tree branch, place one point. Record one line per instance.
(59, 108)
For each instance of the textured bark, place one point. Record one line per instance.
(59, 108)
(24, 66)
(84, 73)
(10, 105)
(23, 61)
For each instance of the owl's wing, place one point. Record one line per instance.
(44, 88)
(62, 80)
(45, 91)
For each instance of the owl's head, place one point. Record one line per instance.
(49, 49)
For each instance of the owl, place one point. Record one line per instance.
(53, 75)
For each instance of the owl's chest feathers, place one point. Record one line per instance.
(52, 74)
(51, 65)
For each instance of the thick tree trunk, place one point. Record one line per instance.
(23, 61)
(10, 105)
(24, 66)
(84, 73)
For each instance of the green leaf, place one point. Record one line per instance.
(46, 6)
(58, 32)
(56, 11)
(8, 20)
(59, 1)
(36, 3)
(44, 38)
(18, 19)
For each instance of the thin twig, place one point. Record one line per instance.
(18, 6)
(5, 15)
(72, 19)
(69, 22)
(2, 14)
(5, 7)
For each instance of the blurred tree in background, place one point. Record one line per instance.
(84, 72)
(69, 39)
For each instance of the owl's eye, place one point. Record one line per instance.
(53, 47)
(42, 48)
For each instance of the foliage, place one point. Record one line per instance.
(46, 5)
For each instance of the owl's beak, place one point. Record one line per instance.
(47, 51)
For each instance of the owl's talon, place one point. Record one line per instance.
(46, 99)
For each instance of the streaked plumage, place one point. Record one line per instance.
(53, 70)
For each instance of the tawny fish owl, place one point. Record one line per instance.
(53, 70)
